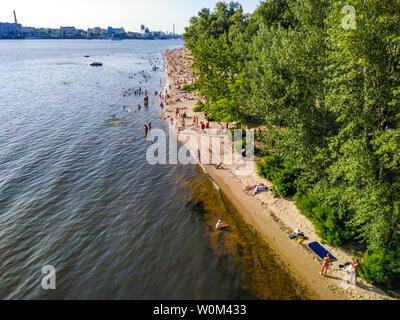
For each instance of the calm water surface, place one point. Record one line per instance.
(74, 196)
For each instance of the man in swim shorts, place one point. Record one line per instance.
(325, 265)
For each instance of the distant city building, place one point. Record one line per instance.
(28, 30)
(17, 31)
(10, 30)
(133, 34)
(119, 30)
(144, 30)
(68, 32)
(157, 33)
(95, 30)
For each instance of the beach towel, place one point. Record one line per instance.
(320, 251)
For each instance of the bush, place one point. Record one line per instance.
(281, 173)
(269, 166)
(188, 88)
(285, 180)
(323, 208)
(200, 107)
(382, 268)
(265, 151)
(321, 203)
(210, 118)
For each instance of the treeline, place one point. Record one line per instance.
(323, 78)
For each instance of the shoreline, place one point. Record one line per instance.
(274, 218)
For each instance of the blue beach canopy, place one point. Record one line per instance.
(320, 251)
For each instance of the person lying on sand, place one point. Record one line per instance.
(220, 225)
(251, 187)
(259, 189)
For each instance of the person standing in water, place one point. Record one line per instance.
(149, 127)
(146, 131)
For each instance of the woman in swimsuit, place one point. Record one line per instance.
(326, 264)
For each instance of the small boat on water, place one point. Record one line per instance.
(87, 56)
(96, 64)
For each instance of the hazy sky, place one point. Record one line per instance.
(130, 14)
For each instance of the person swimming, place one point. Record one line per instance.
(129, 142)
(220, 225)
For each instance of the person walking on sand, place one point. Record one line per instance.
(202, 126)
(198, 155)
(325, 264)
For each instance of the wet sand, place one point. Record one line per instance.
(274, 218)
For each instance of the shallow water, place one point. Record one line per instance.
(76, 194)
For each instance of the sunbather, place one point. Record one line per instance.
(251, 187)
(259, 189)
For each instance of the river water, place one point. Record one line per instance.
(75, 196)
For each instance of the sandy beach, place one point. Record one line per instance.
(275, 218)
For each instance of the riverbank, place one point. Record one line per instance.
(274, 218)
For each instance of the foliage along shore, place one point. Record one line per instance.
(327, 95)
